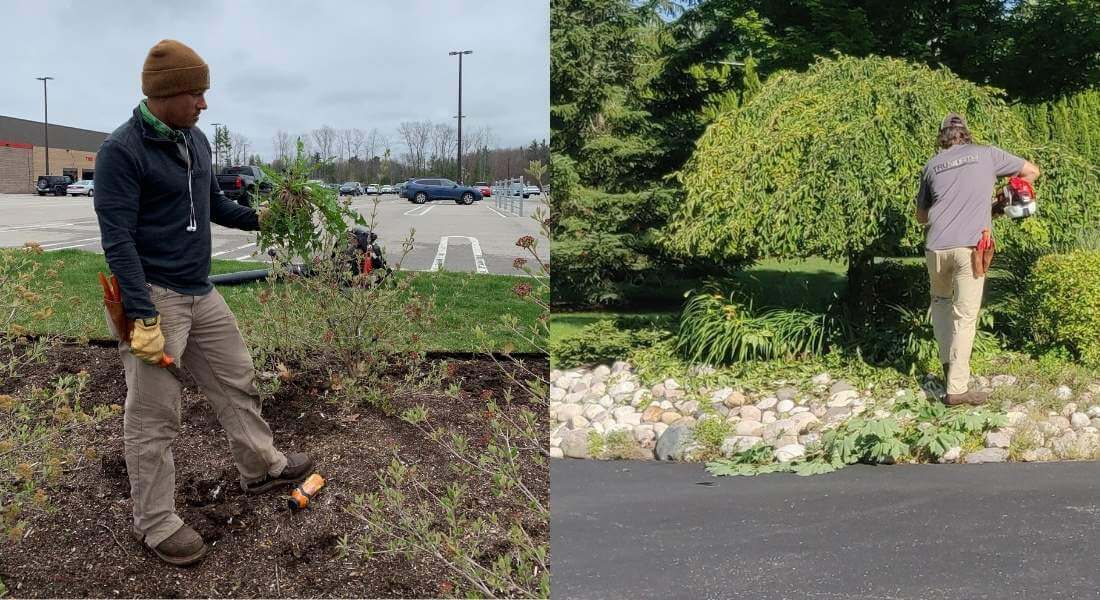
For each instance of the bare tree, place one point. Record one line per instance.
(240, 145)
(358, 138)
(282, 146)
(416, 135)
(325, 141)
(444, 141)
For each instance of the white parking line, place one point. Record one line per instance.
(96, 239)
(440, 254)
(479, 260)
(426, 209)
(500, 214)
(75, 246)
(37, 226)
(217, 254)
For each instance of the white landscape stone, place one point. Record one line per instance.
(767, 403)
(842, 398)
(1079, 420)
(784, 406)
(789, 452)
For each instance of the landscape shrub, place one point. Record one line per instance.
(1064, 295)
(717, 329)
(602, 341)
(826, 163)
(1072, 122)
(603, 241)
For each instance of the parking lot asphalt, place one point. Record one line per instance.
(480, 238)
(628, 530)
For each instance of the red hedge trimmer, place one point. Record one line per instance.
(1017, 201)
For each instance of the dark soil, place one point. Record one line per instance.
(258, 548)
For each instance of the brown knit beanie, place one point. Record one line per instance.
(173, 68)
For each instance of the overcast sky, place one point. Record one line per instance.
(289, 65)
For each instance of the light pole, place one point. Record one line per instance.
(46, 122)
(460, 53)
(216, 161)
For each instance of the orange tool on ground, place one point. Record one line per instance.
(305, 492)
(982, 256)
(112, 299)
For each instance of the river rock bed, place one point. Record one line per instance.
(657, 420)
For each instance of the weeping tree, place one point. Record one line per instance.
(827, 162)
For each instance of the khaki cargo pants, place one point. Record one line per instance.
(201, 333)
(956, 299)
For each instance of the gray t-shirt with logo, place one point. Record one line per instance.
(956, 188)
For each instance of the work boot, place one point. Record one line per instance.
(182, 548)
(971, 397)
(297, 468)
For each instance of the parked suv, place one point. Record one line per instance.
(351, 188)
(58, 185)
(423, 190)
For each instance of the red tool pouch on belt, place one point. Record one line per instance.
(982, 256)
(112, 299)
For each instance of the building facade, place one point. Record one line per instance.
(23, 153)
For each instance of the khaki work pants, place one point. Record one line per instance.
(956, 299)
(201, 333)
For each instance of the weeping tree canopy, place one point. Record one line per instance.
(827, 163)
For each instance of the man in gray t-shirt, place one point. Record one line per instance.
(955, 201)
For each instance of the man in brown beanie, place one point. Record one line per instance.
(156, 195)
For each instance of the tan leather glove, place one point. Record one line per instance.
(263, 215)
(147, 341)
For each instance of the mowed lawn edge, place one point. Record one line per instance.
(464, 301)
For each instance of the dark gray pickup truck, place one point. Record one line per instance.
(242, 183)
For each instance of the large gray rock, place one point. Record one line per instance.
(840, 386)
(786, 393)
(842, 398)
(989, 455)
(673, 442)
(784, 406)
(574, 444)
(556, 453)
(805, 421)
(780, 428)
(1079, 420)
(999, 380)
(566, 412)
(836, 415)
(997, 439)
(557, 394)
(751, 413)
(739, 443)
(1037, 455)
(767, 403)
(821, 379)
(1060, 422)
(1065, 445)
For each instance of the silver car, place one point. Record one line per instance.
(84, 187)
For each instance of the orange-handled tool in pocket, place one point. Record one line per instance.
(982, 256)
(112, 299)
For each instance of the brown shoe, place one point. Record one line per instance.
(970, 397)
(182, 548)
(298, 465)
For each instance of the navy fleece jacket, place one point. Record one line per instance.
(143, 204)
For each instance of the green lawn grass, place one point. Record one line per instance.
(808, 284)
(463, 301)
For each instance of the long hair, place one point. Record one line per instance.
(954, 134)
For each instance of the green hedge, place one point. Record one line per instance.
(1064, 292)
(1073, 122)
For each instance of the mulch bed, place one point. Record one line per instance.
(258, 547)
